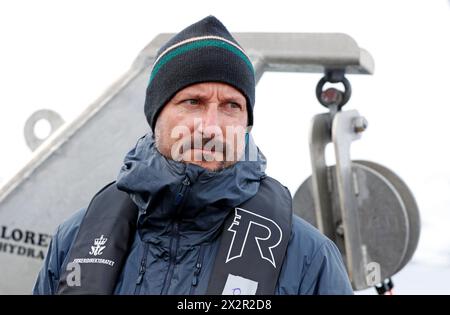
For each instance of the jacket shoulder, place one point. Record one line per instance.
(69, 228)
(304, 232)
(60, 244)
(313, 263)
(276, 183)
(65, 236)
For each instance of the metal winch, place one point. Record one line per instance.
(364, 207)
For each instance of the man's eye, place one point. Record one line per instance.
(191, 101)
(234, 105)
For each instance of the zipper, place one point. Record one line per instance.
(174, 242)
(172, 261)
(198, 268)
(179, 198)
(142, 269)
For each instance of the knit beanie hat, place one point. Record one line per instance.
(203, 52)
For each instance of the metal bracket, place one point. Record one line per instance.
(341, 223)
(343, 134)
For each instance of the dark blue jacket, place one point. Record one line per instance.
(164, 262)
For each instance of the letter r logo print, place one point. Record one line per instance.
(248, 226)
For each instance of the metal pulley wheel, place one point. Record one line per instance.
(387, 215)
(363, 207)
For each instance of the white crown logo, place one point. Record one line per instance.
(98, 247)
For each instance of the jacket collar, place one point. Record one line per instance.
(198, 199)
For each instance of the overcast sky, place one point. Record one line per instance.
(62, 55)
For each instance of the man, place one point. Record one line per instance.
(192, 211)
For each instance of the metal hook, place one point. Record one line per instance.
(333, 96)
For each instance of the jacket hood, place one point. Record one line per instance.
(198, 199)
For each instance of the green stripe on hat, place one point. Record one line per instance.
(195, 45)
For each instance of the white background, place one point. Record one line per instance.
(62, 55)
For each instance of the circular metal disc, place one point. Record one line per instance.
(410, 205)
(382, 217)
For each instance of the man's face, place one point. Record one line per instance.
(204, 124)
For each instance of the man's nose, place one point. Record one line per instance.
(211, 116)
